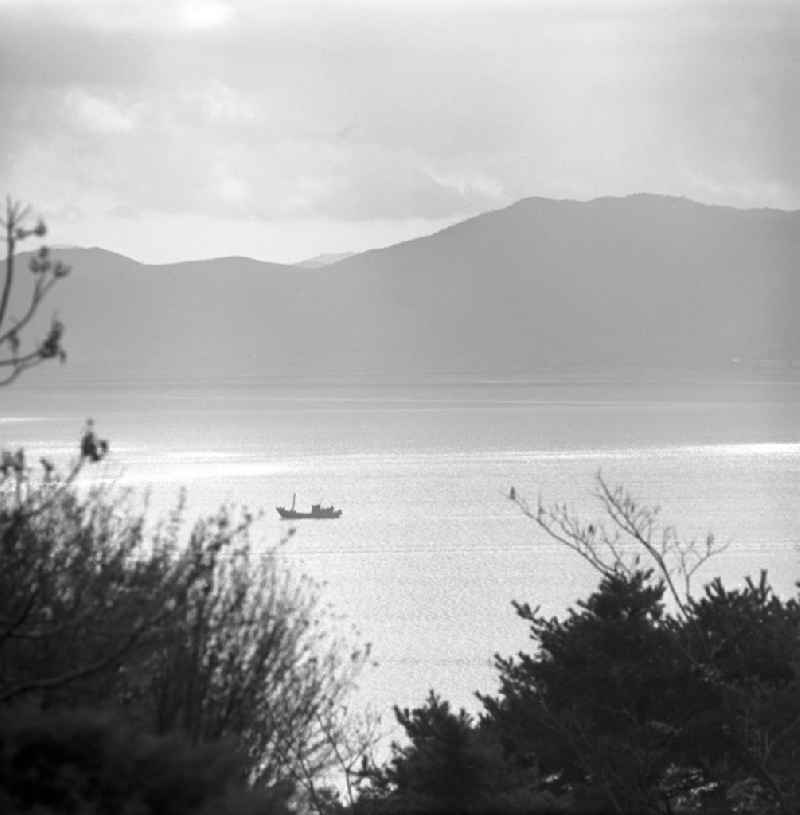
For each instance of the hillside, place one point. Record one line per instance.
(643, 281)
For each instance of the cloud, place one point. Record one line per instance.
(125, 211)
(97, 115)
(124, 15)
(230, 188)
(204, 14)
(370, 181)
(356, 111)
(220, 104)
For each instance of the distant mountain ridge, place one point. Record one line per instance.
(647, 282)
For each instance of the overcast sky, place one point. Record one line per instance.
(174, 130)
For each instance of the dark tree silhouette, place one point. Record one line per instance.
(645, 697)
(743, 702)
(254, 657)
(83, 762)
(452, 763)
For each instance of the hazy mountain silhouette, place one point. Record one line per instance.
(644, 281)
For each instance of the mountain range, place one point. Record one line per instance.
(642, 283)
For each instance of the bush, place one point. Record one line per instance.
(84, 596)
(203, 637)
(81, 762)
(624, 706)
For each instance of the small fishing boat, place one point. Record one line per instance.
(317, 511)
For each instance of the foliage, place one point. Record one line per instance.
(46, 274)
(645, 712)
(748, 654)
(83, 593)
(202, 637)
(644, 698)
(739, 647)
(253, 656)
(615, 713)
(452, 764)
(80, 762)
(597, 704)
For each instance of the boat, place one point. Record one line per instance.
(317, 511)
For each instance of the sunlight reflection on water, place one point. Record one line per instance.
(429, 552)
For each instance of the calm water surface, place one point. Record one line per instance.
(429, 553)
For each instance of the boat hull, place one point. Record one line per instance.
(322, 514)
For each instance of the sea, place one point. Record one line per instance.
(430, 552)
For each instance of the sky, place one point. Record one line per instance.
(176, 129)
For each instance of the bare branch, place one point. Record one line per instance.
(47, 275)
(634, 525)
(41, 289)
